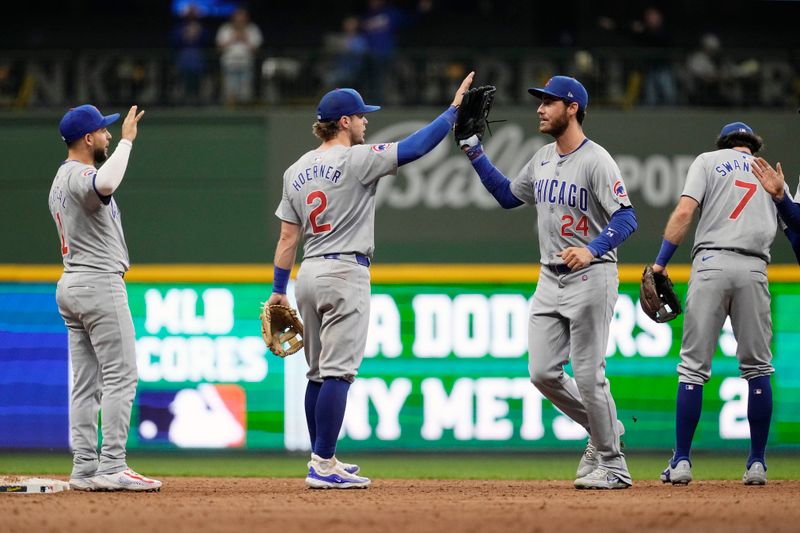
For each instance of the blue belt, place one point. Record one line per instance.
(360, 258)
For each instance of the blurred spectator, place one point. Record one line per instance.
(238, 41)
(660, 87)
(705, 71)
(348, 49)
(190, 39)
(380, 24)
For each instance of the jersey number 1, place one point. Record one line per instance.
(64, 247)
(317, 211)
(750, 190)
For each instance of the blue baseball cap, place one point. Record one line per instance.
(735, 127)
(342, 102)
(564, 87)
(83, 119)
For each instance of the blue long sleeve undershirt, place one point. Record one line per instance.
(790, 212)
(794, 239)
(425, 139)
(621, 225)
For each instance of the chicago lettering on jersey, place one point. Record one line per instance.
(316, 172)
(729, 166)
(559, 192)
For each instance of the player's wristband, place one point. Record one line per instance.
(280, 280)
(665, 254)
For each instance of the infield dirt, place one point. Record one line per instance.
(285, 505)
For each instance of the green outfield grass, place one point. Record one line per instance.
(533, 466)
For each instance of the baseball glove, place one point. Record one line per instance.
(280, 324)
(473, 113)
(657, 297)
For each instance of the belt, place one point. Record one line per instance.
(559, 269)
(734, 250)
(361, 259)
(564, 269)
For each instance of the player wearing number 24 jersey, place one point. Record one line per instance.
(329, 202)
(583, 214)
(728, 279)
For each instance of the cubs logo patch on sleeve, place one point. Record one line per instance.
(89, 172)
(619, 189)
(381, 147)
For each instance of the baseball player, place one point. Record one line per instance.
(728, 279)
(92, 298)
(583, 214)
(329, 202)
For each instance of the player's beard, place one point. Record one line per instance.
(356, 138)
(100, 155)
(556, 125)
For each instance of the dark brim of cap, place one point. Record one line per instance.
(371, 108)
(109, 119)
(538, 93)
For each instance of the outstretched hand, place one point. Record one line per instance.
(770, 178)
(130, 124)
(462, 89)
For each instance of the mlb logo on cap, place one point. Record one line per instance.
(735, 127)
(83, 119)
(563, 87)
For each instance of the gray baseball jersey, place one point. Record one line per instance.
(737, 226)
(575, 196)
(93, 301)
(737, 213)
(331, 194)
(89, 226)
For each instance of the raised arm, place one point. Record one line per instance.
(426, 139)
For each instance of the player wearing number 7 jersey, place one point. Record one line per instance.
(583, 214)
(329, 202)
(728, 279)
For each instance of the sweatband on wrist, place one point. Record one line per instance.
(280, 280)
(665, 254)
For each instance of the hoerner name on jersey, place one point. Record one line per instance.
(316, 172)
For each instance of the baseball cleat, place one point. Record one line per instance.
(82, 483)
(756, 474)
(600, 478)
(589, 460)
(350, 468)
(680, 474)
(331, 474)
(126, 480)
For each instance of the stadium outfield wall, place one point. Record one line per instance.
(202, 185)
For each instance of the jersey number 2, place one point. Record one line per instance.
(64, 247)
(317, 211)
(750, 190)
(582, 226)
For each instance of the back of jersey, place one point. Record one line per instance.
(736, 212)
(89, 226)
(331, 194)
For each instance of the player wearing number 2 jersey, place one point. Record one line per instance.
(583, 214)
(329, 201)
(92, 298)
(728, 279)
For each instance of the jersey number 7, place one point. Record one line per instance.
(317, 211)
(750, 191)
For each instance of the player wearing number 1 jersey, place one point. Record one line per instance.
(329, 202)
(92, 298)
(737, 225)
(583, 214)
